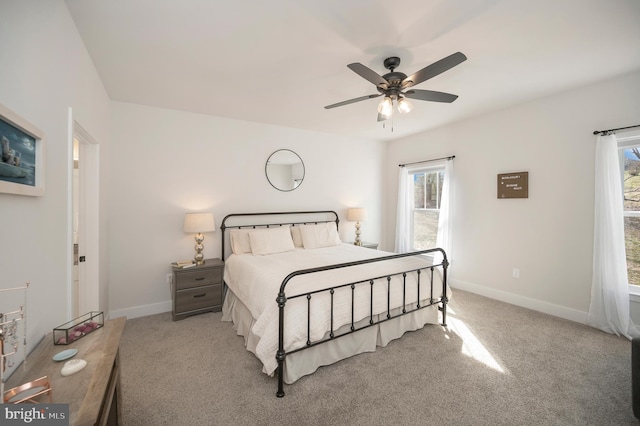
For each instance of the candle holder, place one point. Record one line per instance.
(77, 328)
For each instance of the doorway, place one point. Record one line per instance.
(84, 294)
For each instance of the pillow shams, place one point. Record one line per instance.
(240, 242)
(296, 236)
(271, 240)
(319, 235)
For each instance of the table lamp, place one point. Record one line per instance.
(198, 223)
(357, 214)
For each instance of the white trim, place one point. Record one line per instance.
(142, 310)
(628, 141)
(83, 135)
(625, 143)
(433, 168)
(634, 293)
(69, 236)
(90, 160)
(525, 302)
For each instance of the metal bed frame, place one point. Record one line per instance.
(282, 296)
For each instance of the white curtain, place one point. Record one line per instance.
(443, 239)
(404, 210)
(403, 214)
(609, 307)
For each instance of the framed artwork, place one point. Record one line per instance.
(21, 155)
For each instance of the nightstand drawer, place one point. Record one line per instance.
(198, 278)
(198, 298)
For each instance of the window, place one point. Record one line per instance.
(630, 167)
(425, 206)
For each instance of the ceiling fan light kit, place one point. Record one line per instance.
(385, 108)
(394, 85)
(404, 106)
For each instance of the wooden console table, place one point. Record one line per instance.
(94, 394)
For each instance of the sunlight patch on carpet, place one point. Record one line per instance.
(471, 346)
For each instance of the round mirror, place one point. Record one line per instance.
(284, 170)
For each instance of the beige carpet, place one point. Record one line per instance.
(495, 364)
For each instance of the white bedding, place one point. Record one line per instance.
(256, 280)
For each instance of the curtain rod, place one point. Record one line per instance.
(427, 161)
(613, 130)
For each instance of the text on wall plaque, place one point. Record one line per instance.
(513, 185)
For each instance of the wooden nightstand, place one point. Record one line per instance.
(197, 289)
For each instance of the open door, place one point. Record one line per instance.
(84, 294)
(76, 297)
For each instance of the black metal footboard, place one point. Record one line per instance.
(374, 317)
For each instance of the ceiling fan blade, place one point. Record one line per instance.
(368, 74)
(434, 69)
(350, 101)
(430, 95)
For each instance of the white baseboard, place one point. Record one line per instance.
(141, 311)
(525, 302)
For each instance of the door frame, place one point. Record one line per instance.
(89, 150)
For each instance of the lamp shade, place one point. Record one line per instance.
(357, 214)
(199, 222)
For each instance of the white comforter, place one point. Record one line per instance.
(256, 281)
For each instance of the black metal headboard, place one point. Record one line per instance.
(270, 219)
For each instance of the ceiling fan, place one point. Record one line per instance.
(394, 85)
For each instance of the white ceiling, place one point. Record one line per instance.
(281, 61)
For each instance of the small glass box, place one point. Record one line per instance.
(73, 330)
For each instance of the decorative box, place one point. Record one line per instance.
(76, 328)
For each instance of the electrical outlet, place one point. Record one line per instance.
(516, 273)
(169, 278)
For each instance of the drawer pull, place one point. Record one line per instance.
(200, 295)
(199, 278)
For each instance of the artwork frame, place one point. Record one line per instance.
(21, 155)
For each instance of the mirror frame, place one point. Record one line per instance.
(266, 170)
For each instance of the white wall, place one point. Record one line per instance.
(548, 236)
(159, 164)
(44, 70)
(166, 163)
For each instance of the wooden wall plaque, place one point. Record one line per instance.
(513, 185)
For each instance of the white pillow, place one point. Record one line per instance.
(240, 242)
(271, 240)
(320, 235)
(296, 236)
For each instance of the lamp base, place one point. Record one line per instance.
(357, 242)
(199, 257)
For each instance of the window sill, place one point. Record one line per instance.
(634, 293)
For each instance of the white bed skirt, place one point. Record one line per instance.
(305, 362)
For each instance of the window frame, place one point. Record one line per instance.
(625, 142)
(432, 169)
